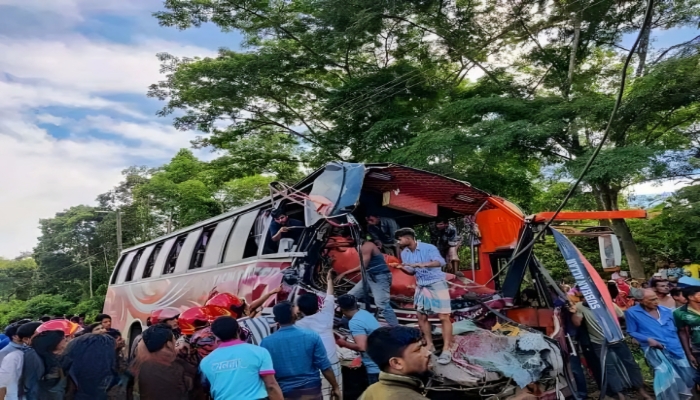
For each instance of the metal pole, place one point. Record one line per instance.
(471, 247)
(90, 267)
(119, 233)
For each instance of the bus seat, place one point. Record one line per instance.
(285, 245)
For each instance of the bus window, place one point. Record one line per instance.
(171, 262)
(240, 237)
(117, 269)
(201, 247)
(151, 261)
(217, 243)
(132, 266)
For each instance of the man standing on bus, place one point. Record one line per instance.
(283, 227)
(379, 282)
(382, 230)
(432, 293)
(445, 237)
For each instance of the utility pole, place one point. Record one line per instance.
(119, 233)
(90, 267)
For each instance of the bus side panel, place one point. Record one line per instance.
(499, 231)
(132, 301)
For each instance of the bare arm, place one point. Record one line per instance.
(359, 345)
(330, 289)
(685, 342)
(431, 264)
(3, 392)
(273, 388)
(253, 307)
(330, 377)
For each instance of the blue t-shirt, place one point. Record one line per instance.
(294, 233)
(235, 369)
(364, 323)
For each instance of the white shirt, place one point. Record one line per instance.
(322, 323)
(10, 372)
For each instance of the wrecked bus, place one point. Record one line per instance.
(504, 347)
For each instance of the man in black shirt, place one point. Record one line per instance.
(283, 227)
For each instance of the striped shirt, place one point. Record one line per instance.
(424, 253)
(254, 330)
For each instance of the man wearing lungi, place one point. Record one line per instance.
(432, 294)
(445, 237)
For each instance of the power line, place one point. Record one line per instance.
(606, 133)
(65, 268)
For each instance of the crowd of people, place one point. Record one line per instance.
(226, 350)
(660, 316)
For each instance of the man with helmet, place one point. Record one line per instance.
(43, 377)
(168, 316)
(253, 329)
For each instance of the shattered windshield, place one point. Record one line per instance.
(336, 191)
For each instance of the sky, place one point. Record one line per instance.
(73, 107)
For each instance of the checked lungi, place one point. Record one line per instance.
(326, 387)
(433, 298)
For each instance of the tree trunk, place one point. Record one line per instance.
(643, 51)
(572, 56)
(622, 230)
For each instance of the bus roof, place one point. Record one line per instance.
(459, 196)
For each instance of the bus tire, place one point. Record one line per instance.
(134, 331)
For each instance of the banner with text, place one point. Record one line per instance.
(594, 289)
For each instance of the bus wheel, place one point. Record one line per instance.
(134, 332)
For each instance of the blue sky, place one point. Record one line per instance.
(73, 105)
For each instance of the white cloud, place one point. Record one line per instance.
(651, 188)
(50, 119)
(77, 63)
(77, 10)
(43, 174)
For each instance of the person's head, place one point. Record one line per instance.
(284, 313)
(686, 261)
(677, 295)
(372, 219)
(406, 237)
(672, 264)
(105, 320)
(93, 358)
(399, 350)
(75, 319)
(26, 331)
(158, 337)
(45, 318)
(49, 343)
(613, 289)
(692, 294)
(96, 328)
(307, 304)
(280, 216)
(645, 285)
(649, 300)
(117, 336)
(348, 305)
(528, 295)
(225, 328)
(442, 223)
(11, 332)
(634, 284)
(157, 345)
(660, 286)
(167, 315)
